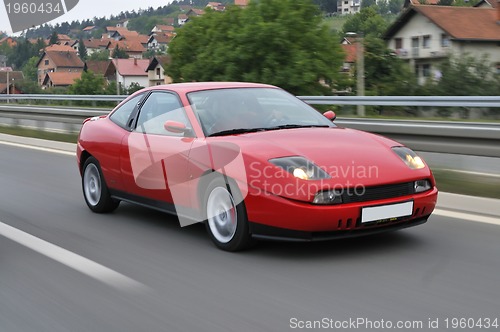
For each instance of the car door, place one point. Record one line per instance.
(155, 160)
(110, 138)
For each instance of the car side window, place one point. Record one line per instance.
(122, 114)
(158, 108)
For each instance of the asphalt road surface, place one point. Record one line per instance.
(63, 268)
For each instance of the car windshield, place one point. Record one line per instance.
(239, 110)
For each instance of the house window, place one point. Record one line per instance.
(426, 70)
(158, 72)
(346, 2)
(399, 43)
(46, 62)
(414, 46)
(426, 41)
(445, 40)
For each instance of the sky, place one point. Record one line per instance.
(88, 9)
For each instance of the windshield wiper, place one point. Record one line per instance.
(236, 131)
(292, 126)
(253, 130)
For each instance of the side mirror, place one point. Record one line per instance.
(176, 127)
(330, 115)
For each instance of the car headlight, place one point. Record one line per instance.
(301, 168)
(409, 157)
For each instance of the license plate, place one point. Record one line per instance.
(383, 213)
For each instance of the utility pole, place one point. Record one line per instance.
(360, 69)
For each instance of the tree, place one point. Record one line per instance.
(367, 22)
(88, 84)
(22, 52)
(119, 53)
(99, 55)
(395, 6)
(385, 73)
(30, 69)
(54, 38)
(82, 50)
(280, 42)
(466, 76)
(134, 86)
(368, 3)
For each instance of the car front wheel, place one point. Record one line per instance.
(226, 218)
(95, 190)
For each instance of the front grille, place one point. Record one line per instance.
(365, 194)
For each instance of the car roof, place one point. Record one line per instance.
(198, 86)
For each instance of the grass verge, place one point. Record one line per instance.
(467, 184)
(19, 131)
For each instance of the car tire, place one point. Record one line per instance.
(95, 190)
(226, 222)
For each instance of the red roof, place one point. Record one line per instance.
(64, 59)
(242, 3)
(350, 52)
(461, 23)
(59, 48)
(133, 46)
(131, 67)
(468, 23)
(62, 78)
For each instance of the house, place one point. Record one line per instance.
(156, 71)
(58, 58)
(348, 6)
(161, 28)
(64, 39)
(488, 4)
(241, 3)
(182, 19)
(350, 51)
(10, 77)
(60, 79)
(408, 3)
(105, 68)
(122, 23)
(118, 33)
(424, 35)
(193, 12)
(159, 42)
(134, 48)
(217, 6)
(11, 42)
(132, 71)
(96, 45)
(90, 29)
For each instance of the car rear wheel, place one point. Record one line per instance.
(226, 218)
(95, 190)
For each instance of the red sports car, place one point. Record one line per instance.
(250, 161)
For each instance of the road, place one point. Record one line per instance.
(161, 277)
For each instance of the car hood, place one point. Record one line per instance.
(349, 156)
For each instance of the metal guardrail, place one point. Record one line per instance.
(480, 139)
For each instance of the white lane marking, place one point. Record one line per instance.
(467, 216)
(72, 260)
(38, 148)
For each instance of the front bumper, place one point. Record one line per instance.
(271, 215)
